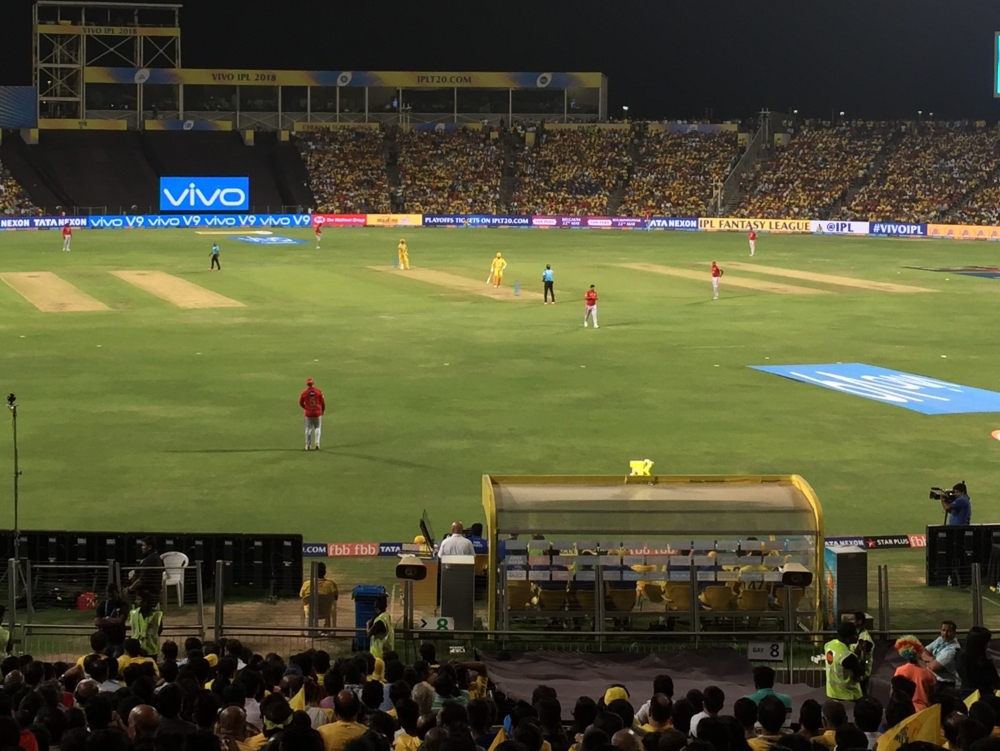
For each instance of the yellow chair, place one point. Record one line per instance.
(518, 595)
(585, 600)
(550, 599)
(326, 609)
(619, 598)
(753, 600)
(717, 597)
(679, 596)
(781, 593)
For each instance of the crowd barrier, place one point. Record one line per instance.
(689, 224)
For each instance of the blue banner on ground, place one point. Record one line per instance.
(475, 220)
(268, 240)
(314, 549)
(927, 396)
(667, 222)
(197, 221)
(42, 222)
(897, 229)
(390, 548)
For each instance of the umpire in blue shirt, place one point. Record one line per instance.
(547, 278)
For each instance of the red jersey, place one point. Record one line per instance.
(752, 235)
(591, 298)
(716, 271)
(319, 229)
(311, 400)
(67, 231)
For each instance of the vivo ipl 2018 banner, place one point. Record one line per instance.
(197, 195)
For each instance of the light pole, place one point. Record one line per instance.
(624, 112)
(920, 116)
(12, 406)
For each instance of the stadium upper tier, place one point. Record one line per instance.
(862, 170)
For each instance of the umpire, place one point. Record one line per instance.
(547, 278)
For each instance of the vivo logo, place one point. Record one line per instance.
(202, 193)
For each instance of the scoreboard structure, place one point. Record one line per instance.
(99, 62)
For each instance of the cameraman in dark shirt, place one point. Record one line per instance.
(111, 617)
(958, 506)
(149, 575)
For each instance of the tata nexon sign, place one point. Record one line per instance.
(198, 195)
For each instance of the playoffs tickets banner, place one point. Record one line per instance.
(962, 232)
(393, 220)
(475, 220)
(777, 226)
(339, 220)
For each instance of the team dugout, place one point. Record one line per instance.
(711, 552)
(282, 98)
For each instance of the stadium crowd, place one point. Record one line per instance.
(571, 171)
(935, 167)
(675, 174)
(346, 170)
(810, 175)
(449, 172)
(220, 696)
(13, 199)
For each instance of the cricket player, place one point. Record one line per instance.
(591, 310)
(215, 258)
(548, 280)
(319, 234)
(496, 270)
(716, 274)
(312, 402)
(752, 237)
(67, 233)
(404, 254)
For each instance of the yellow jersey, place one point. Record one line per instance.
(499, 265)
(402, 248)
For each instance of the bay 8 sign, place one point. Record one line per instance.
(204, 195)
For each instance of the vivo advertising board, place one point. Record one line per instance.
(204, 194)
(180, 221)
(840, 228)
(897, 229)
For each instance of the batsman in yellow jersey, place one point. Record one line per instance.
(404, 254)
(496, 270)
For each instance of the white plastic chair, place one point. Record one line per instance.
(173, 575)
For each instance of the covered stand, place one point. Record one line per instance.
(720, 552)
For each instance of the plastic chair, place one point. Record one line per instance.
(326, 610)
(679, 596)
(173, 574)
(781, 593)
(753, 600)
(518, 595)
(717, 597)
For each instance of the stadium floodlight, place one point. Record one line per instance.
(625, 111)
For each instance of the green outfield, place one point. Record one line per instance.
(149, 403)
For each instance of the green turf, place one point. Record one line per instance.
(149, 416)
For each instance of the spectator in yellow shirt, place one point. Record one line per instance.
(133, 656)
(336, 735)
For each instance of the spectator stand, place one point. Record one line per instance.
(710, 551)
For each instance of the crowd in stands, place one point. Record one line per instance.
(933, 169)
(346, 170)
(675, 173)
(983, 207)
(449, 172)
(812, 173)
(13, 200)
(571, 171)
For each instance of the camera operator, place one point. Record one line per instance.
(958, 506)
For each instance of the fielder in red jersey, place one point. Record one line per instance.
(312, 402)
(716, 274)
(591, 309)
(319, 234)
(67, 233)
(752, 237)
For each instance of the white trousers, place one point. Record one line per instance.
(591, 312)
(314, 428)
(715, 286)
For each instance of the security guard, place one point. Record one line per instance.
(844, 670)
(380, 631)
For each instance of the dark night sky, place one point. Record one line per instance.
(664, 58)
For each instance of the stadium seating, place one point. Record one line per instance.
(449, 172)
(809, 176)
(347, 170)
(935, 167)
(571, 171)
(14, 201)
(675, 173)
(983, 207)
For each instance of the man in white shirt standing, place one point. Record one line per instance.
(456, 543)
